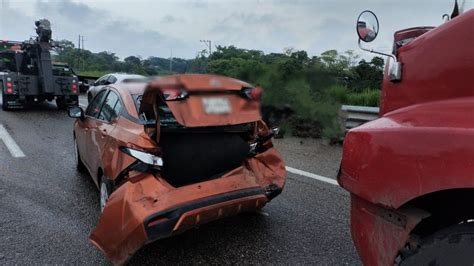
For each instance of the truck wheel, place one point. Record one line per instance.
(105, 191)
(61, 103)
(74, 101)
(450, 246)
(5, 106)
(79, 164)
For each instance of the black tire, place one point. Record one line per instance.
(79, 164)
(453, 245)
(5, 106)
(61, 103)
(106, 184)
(74, 101)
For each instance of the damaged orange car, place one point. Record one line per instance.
(173, 153)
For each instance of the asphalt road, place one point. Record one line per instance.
(48, 209)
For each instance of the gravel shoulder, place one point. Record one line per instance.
(310, 155)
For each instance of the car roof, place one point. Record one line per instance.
(122, 76)
(133, 88)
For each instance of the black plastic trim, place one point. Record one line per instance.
(165, 228)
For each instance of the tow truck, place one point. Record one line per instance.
(27, 74)
(411, 172)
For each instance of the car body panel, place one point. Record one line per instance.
(130, 206)
(191, 113)
(122, 228)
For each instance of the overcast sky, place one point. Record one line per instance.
(153, 28)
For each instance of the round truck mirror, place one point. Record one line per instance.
(367, 26)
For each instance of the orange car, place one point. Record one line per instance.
(173, 154)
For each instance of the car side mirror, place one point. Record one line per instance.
(76, 112)
(367, 26)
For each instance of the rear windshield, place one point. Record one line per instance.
(166, 116)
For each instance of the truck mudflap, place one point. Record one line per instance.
(142, 211)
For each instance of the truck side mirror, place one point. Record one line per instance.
(367, 26)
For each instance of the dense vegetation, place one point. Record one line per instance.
(310, 88)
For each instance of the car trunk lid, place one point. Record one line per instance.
(209, 100)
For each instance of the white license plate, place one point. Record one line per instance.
(216, 105)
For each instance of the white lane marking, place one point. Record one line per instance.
(311, 175)
(10, 143)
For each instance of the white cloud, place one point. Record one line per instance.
(147, 27)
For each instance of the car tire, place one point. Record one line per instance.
(450, 246)
(79, 164)
(105, 189)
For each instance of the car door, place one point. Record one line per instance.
(85, 137)
(101, 134)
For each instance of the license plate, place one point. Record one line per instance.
(216, 105)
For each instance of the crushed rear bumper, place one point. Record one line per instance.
(162, 224)
(141, 212)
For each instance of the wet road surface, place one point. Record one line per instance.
(48, 209)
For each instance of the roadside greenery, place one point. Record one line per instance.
(306, 91)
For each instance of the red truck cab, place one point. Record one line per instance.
(411, 172)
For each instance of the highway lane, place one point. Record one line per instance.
(47, 211)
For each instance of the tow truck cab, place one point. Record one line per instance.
(411, 172)
(28, 75)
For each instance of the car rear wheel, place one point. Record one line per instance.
(105, 190)
(79, 164)
(450, 246)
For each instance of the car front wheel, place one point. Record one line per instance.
(79, 164)
(105, 190)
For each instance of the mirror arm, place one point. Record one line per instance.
(375, 52)
(395, 69)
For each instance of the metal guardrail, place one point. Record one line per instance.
(355, 116)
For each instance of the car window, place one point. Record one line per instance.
(137, 99)
(112, 79)
(108, 112)
(102, 80)
(94, 107)
(117, 109)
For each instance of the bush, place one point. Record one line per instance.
(338, 93)
(366, 98)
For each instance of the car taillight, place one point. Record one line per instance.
(173, 94)
(252, 93)
(74, 88)
(9, 87)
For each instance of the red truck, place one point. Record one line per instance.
(411, 172)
